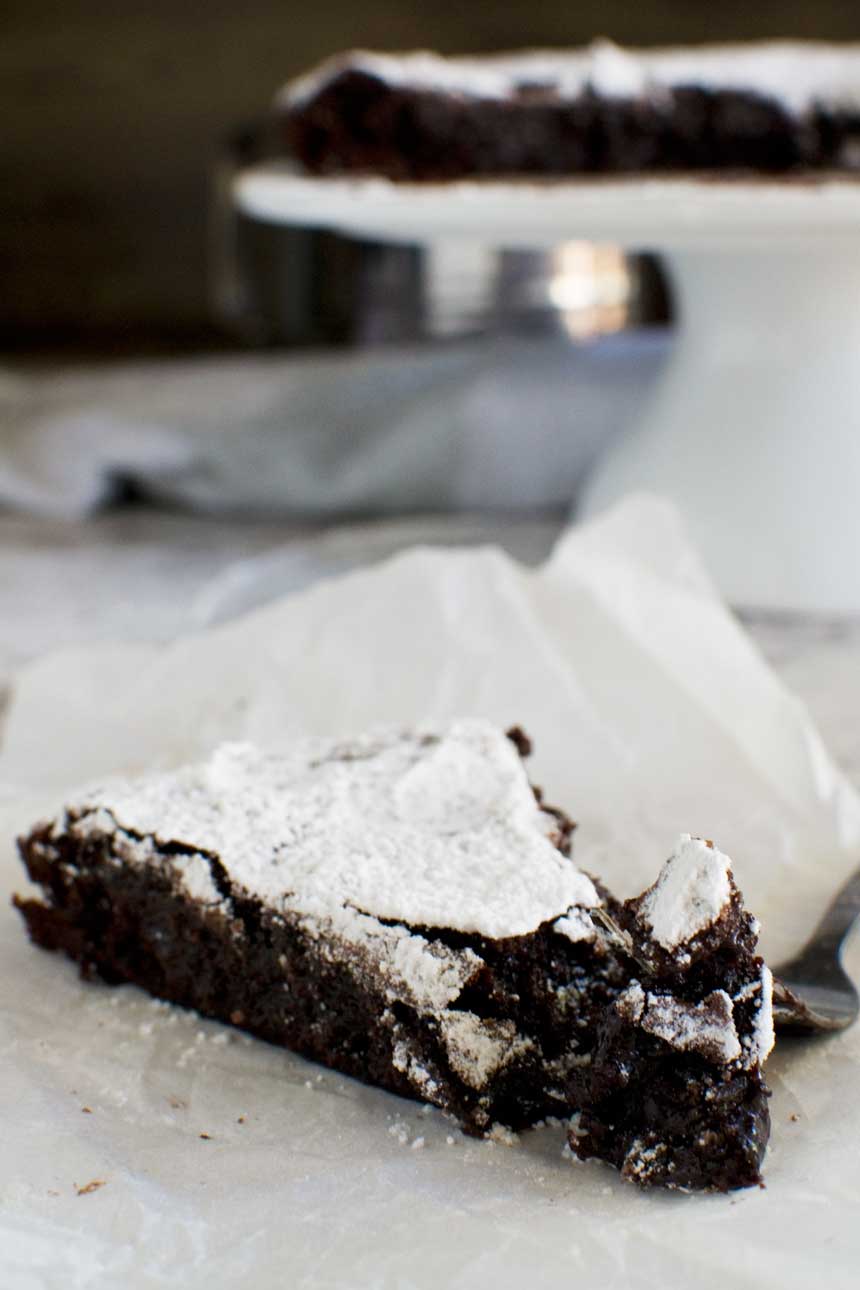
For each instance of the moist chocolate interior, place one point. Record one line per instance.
(667, 1117)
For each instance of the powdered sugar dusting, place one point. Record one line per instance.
(426, 828)
(798, 74)
(193, 870)
(576, 925)
(691, 892)
(416, 1072)
(615, 73)
(758, 1044)
(197, 879)
(707, 1027)
(477, 1049)
(428, 975)
(630, 1004)
(645, 1158)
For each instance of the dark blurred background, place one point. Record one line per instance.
(114, 113)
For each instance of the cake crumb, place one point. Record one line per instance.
(794, 1117)
(503, 1135)
(520, 740)
(88, 1110)
(450, 1140)
(417, 1144)
(241, 1119)
(89, 1187)
(207, 1137)
(399, 1131)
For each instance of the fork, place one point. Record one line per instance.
(812, 993)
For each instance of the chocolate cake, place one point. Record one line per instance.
(766, 108)
(673, 1094)
(401, 907)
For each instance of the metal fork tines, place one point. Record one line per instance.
(812, 992)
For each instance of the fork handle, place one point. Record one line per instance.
(839, 918)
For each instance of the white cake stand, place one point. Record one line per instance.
(754, 428)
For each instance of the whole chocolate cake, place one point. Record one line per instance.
(766, 108)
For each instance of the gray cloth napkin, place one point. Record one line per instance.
(503, 423)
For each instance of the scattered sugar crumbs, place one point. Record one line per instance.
(503, 1136)
(399, 1130)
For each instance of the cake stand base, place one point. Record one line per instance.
(754, 428)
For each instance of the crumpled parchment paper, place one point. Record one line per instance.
(652, 714)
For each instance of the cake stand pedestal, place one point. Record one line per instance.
(753, 430)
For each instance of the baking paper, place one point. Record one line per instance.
(222, 1160)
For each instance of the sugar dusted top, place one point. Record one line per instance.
(707, 1027)
(427, 828)
(799, 74)
(691, 892)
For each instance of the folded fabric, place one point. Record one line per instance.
(502, 423)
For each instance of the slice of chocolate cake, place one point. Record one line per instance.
(674, 1094)
(403, 908)
(767, 108)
